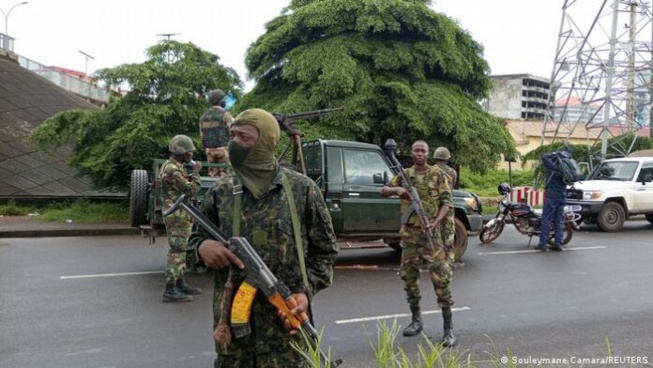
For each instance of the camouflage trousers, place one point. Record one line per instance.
(439, 262)
(219, 155)
(178, 229)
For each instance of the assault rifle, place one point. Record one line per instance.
(257, 276)
(287, 124)
(416, 206)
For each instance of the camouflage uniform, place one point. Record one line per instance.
(434, 192)
(266, 223)
(214, 131)
(175, 181)
(449, 232)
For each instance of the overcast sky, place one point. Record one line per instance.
(519, 36)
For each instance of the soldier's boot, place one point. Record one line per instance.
(173, 295)
(415, 326)
(448, 339)
(183, 287)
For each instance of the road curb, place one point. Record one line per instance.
(67, 232)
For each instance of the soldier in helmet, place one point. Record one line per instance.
(175, 181)
(214, 131)
(442, 156)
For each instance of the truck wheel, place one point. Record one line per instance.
(138, 198)
(611, 218)
(649, 218)
(567, 233)
(460, 240)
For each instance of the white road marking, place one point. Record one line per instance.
(108, 275)
(534, 251)
(391, 316)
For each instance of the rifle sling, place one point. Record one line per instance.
(238, 192)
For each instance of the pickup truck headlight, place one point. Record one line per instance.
(589, 195)
(471, 202)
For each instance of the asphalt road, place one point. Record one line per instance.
(96, 302)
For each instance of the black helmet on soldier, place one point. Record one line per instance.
(504, 189)
(216, 97)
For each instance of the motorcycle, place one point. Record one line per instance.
(525, 220)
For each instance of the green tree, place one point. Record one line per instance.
(400, 69)
(165, 98)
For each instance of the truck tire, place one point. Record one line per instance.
(461, 239)
(138, 198)
(649, 218)
(611, 218)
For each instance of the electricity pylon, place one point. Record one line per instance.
(601, 79)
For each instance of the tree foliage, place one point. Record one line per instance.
(165, 98)
(400, 69)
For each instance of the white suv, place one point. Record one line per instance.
(616, 189)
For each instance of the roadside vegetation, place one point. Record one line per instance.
(428, 354)
(485, 185)
(80, 210)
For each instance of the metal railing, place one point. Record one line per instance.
(63, 80)
(6, 42)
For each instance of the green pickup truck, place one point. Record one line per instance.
(350, 175)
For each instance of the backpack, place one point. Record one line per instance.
(570, 170)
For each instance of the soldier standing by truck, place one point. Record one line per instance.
(442, 157)
(214, 131)
(434, 191)
(175, 181)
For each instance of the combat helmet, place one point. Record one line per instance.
(216, 97)
(181, 144)
(441, 153)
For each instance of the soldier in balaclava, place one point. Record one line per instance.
(259, 203)
(214, 131)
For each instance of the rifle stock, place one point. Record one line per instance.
(416, 207)
(257, 276)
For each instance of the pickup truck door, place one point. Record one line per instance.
(643, 193)
(363, 208)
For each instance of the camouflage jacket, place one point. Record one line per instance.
(175, 181)
(266, 223)
(432, 188)
(452, 175)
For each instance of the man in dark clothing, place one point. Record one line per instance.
(554, 202)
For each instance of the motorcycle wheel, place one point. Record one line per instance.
(489, 234)
(567, 233)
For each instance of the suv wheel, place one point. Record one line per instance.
(138, 198)
(612, 217)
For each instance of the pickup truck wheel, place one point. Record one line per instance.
(612, 217)
(649, 218)
(138, 198)
(460, 240)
